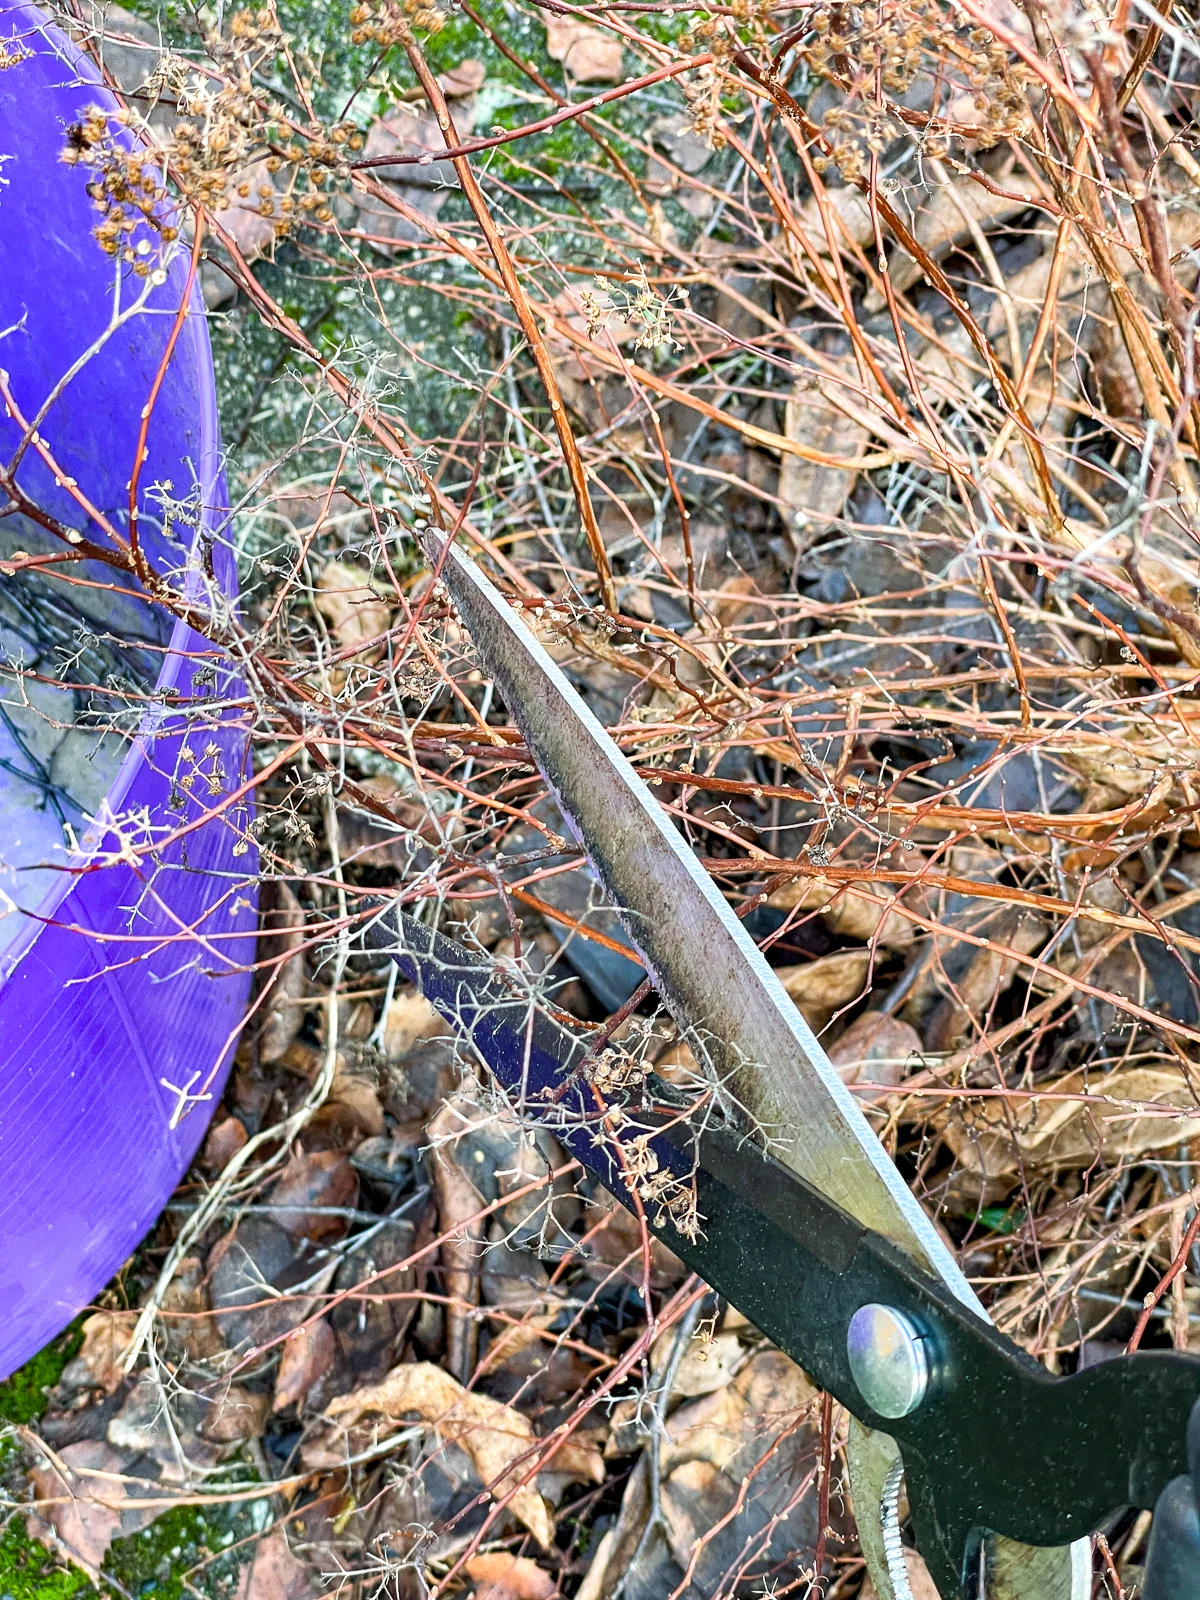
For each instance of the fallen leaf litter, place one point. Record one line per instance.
(906, 646)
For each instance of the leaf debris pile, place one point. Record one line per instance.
(820, 386)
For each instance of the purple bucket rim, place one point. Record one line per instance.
(209, 470)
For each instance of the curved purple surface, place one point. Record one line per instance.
(126, 979)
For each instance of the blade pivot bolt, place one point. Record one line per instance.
(889, 1360)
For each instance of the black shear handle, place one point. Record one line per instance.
(1173, 1560)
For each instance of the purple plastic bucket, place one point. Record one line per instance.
(123, 982)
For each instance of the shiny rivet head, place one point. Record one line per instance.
(888, 1359)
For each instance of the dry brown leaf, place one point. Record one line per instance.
(851, 912)
(192, 1329)
(819, 988)
(522, 1363)
(106, 1337)
(941, 222)
(409, 1022)
(815, 495)
(464, 1230)
(677, 1064)
(353, 609)
(722, 1485)
(321, 1178)
(478, 1156)
(163, 1427)
(767, 1395)
(80, 1516)
(253, 213)
(588, 55)
(225, 1139)
(708, 1364)
(388, 836)
(989, 973)
(713, 1446)
(850, 208)
(938, 224)
(78, 1526)
(615, 1245)
(274, 1573)
(283, 1009)
(1180, 589)
(876, 1048)
(594, 1584)
(510, 1344)
(407, 131)
(995, 1138)
(689, 150)
(1080, 307)
(1122, 766)
(308, 1353)
(357, 1096)
(689, 1498)
(245, 1268)
(236, 1414)
(466, 78)
(499, 1576)
(500, 1441)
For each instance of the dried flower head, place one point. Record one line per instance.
(876, 55)
(230, 136)
(647, 310)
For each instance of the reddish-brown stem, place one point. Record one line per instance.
(1163, 1284)
(533, 334)
(135, 548)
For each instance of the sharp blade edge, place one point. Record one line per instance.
(727, 1001)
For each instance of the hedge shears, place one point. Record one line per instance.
(817, 1240)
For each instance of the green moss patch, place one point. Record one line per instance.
(29, 1572)
(23, 1396)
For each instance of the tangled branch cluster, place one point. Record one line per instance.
(853, 355)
